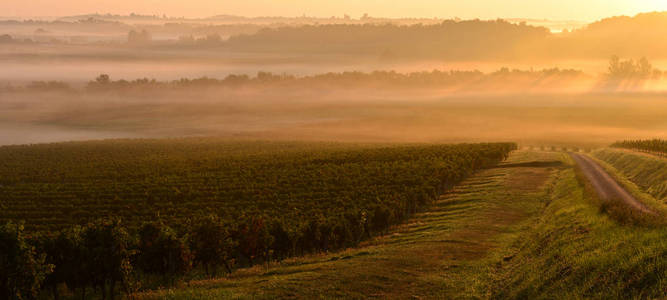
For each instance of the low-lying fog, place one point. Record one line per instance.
(582, 98)
(334, 113)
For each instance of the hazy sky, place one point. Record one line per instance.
(584, 10)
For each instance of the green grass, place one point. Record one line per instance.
(575, 251)
(646, 171)
(624, 213)
(521, 230)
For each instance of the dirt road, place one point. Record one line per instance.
(607, 188)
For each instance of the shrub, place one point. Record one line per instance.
(106, 256)
(64, 250)
(211, 244)
(21, 269)
(161, 251)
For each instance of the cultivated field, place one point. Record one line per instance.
(525, 229)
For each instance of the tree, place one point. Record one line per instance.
(21, 269)
(211, 244)
(630, 69)
(103, 79)
(614, 65)
(6, 38)
(139, 38)
(161, 251)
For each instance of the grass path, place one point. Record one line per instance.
(447, 252)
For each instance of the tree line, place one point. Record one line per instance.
(426, 79)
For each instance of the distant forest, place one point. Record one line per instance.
(641, 35)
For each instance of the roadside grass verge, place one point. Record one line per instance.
(620, 210)
(576, 250)
(647, 172)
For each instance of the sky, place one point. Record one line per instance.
(580, 10)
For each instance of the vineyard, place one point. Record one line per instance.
(215, 203)
(656, 146)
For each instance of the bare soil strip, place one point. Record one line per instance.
(606, 187)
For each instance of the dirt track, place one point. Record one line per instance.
(607, 188)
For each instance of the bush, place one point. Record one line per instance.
(254, 239)
(106, 259)
(161, 251)
(64, 251)
(21, 269)
(211, 244)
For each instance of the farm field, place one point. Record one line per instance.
(232, 204)
(519, 230)
(304, 219)
(53, 186)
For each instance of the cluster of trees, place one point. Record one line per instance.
(654, 146)
(632, 69)
(267, 204)
(210, 39)
(139, 37)
(8, 39)
(629, 74)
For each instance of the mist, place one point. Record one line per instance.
(343, 79)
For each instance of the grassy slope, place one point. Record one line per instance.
(575, 251)
(510, 232)
(647, 171)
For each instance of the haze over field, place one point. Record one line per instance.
(541, 75)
